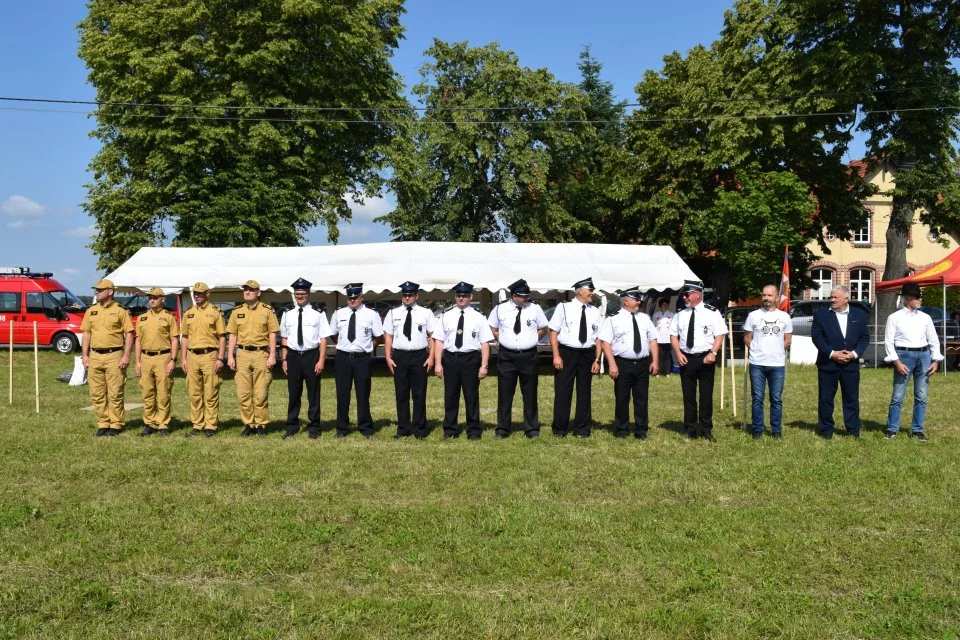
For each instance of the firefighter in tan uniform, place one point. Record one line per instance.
(201, 358)
(107, 339)
(155, 352)
(253, 331)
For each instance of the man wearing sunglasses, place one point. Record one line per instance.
(358, 330)
(407, 349)
(155, 353)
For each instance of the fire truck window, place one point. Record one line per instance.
(42, 303)
(10, 302)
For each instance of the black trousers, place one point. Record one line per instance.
(461, 372)
(301, 369)
(576, 368)
(697, 375)
(410, 380)
(353, 372)
(633, 380)
(665, 351)
(513, 366)
(849, 381)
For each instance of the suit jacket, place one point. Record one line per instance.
(826, 335)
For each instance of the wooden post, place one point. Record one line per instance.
(733, 367)
(723, 372)
(11, 362)
(746, 359)
(36, 367)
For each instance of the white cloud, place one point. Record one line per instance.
(70, 271)
(350, 233)
(21, 207)
(82, 232)
(371, 208)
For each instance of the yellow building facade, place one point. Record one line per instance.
(858, 262)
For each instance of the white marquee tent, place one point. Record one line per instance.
(381, 267)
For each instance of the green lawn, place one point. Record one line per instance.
(231, 537)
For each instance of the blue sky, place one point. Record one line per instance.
(44, 155)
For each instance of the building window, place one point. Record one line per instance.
(862, 235)
(828, 236)
(861, 284)
(824, 278)
(933, 237)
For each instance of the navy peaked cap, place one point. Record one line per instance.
(586, 282)
(520, 288)
(463, 287)
(409, 287)
(692, 285)
(630, 292)
(354, 289)
(301, 285)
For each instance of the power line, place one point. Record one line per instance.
(400, 109)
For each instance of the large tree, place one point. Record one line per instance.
(476, 164)
(215, 122)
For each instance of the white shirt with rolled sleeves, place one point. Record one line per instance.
(769, 329)
(617, 331)
(368, 328)
(502, 319)
(315, 328)
(476, 331)
(661, 320)
(708, 325)
(420, 330)
(566, 322)
(913, 329)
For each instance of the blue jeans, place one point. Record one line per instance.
(760, 376)
(917, 363)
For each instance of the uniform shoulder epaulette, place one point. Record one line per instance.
(710, 307)
(268, 307)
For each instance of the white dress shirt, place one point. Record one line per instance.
(476, 331)
(502, 319)
(566, 322)
(912, 329)
(661, 320)
(420, 329)
(315, 328)
(617, 331)
(368, 328)
(708, 324)
(769, 329)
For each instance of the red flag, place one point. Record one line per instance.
(785, 282)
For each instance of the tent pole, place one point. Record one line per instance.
(944, 347)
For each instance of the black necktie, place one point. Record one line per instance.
(352, 327)
(690, 329)
(300, 327)
(637, 347)
(516, 323)
(583, 326)
(408, 324)
(458, 343)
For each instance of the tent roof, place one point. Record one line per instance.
(383, 266)
(947, 272)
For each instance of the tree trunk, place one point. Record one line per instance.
(898, 233)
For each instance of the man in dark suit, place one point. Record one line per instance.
(841, 335)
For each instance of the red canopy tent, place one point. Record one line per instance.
(944, 273)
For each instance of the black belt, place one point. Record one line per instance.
(110, 350)
(354, 354)
(631, 359)
(460, 354)
(563, 346)
(156, 353)
(304, 351)
(913, 349)
(699, 354)
(412, 350)
(240, 346)
(200, 352)
(509, 350)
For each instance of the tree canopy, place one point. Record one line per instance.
(214, 117)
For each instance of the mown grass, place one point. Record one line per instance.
(266, 538)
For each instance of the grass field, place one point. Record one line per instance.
(269, 538)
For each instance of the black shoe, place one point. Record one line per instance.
(533, 435)
(262, 432)
(621, 435)
(400, 436)
(825, 436)
(473, 437)
(640, 436)
(919, 435)
(777, 436)
(147, 431)
(113, 432)
(208, 433)
(585, 436)
(559, 434)
(709, 438)
(691, 436)
(313, 435)
(194, 433)
(290, 433)
(889, 435)
(101, 432)
(247, 431)
(368, 436)
(757, 435)
(340, 435)
(163, 433)
(500, 436)
(420, 437)
(853, 435)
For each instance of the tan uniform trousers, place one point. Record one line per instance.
(203, 386)
(106, 388)
(253, 387)
(155, 387)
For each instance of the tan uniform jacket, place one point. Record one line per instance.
(154, 330)
(107, 325)
(203, 326)
(253, 326)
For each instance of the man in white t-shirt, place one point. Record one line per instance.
(767, 332)
(661, 320)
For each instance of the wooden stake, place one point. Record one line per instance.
(11, 362)
(36, 367)
(746, 359)
(733, 367)
(723, 372)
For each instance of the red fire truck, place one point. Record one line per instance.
(27, 297)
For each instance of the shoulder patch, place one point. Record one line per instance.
(267, 307)
(142, 318)
(710, 307)
(190, 315)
